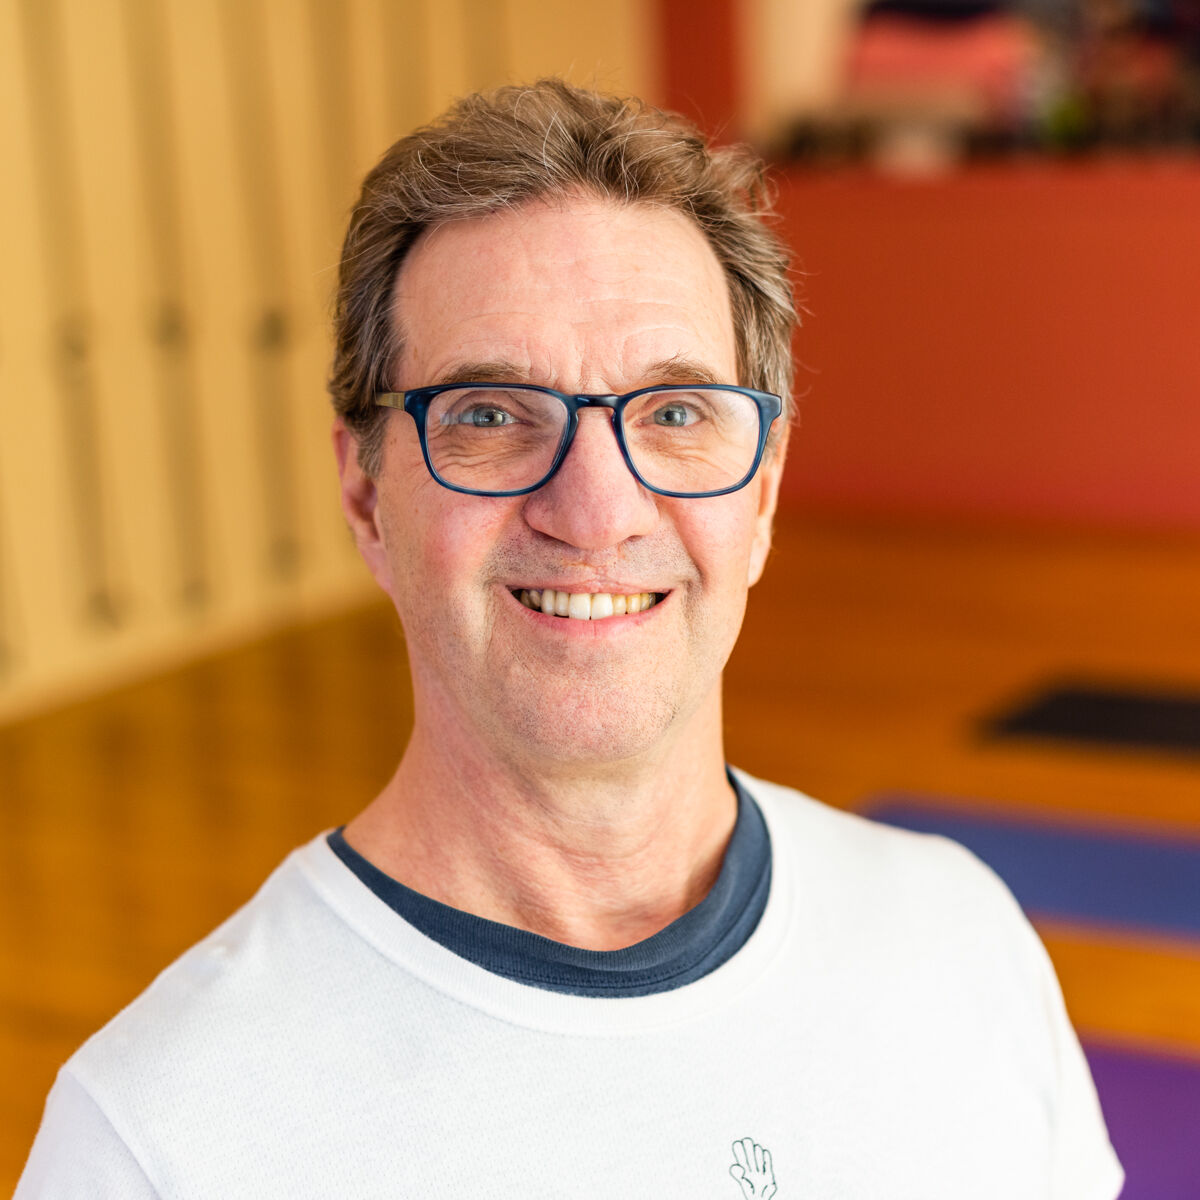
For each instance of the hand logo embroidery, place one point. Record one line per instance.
(753, 1170)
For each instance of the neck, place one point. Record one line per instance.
(595, 855)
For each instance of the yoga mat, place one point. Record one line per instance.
(1142, 718)
(1152, 1107)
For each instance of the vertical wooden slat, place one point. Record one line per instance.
(486, 25)
(448, 74)
(338, 157)
(117, 272)
(61, 234)
(334, 109)
(610, 46)
(167, 323)
(256, 152)
(7, 649)
(405, 63)
(219, 288)
(36, 518)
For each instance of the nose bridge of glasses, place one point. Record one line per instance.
(597, 400)
(570, 450)
(601, 401)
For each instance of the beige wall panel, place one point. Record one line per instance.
(304, 70)
(35, 515)
(220, 301)
(316, 109)
(448, 72)
(269, 315)
(326, 29)
(119, 306)
(386, 70)
(169, 349)
(610, 46)
(50, 561)
(367, 30)
(404, 50)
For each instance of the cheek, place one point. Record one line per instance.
(441, 544)
(720, 541)
(459, 544)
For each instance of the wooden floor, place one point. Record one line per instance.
(136, 822)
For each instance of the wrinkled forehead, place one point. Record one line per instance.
(567, 291)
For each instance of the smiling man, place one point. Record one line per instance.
(580, 732)
(566, 951)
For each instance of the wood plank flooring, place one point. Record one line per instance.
(134, 823)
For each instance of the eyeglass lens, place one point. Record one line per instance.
(505, 438)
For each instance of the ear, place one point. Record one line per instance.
(769, 476)
(360, 504)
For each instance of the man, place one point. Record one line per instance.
(565, 952)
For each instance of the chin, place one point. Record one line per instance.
(593, 729)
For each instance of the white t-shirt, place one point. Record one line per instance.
(892, 1030)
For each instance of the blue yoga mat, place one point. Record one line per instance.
(1146, 883)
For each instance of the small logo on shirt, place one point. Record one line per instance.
(752, 1169)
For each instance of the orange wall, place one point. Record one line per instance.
(698, 41)
(1011, 341)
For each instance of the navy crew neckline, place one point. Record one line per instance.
(692, 946)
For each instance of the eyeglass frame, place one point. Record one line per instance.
(416, 402)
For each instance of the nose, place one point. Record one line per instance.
(593, 502)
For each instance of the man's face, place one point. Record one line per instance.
(582, 296)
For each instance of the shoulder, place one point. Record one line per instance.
(916, 916)
(888, 891)
(212, 1019)
(866, 854)
(78, 1153)
(213, 974)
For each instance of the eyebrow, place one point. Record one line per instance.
(681, 369)
(677, 369)
(494, 371)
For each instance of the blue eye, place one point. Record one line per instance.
(485, 417)
(674, 415)
(479, 416)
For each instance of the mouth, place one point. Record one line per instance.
(585, 606)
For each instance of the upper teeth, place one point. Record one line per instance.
(584, 606)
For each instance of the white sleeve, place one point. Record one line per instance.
(78, 1155)
(1085, 1164)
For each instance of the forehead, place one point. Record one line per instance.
(579, 293)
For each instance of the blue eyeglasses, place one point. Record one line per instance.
(508, 439)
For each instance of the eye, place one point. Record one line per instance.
(484, 416)
(475, 411)
(676, 414)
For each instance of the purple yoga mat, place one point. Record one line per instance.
(1152, 1106)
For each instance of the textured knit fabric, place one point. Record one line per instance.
(686, 950)
(892, 1028)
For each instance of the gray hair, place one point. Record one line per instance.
(500, 149)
